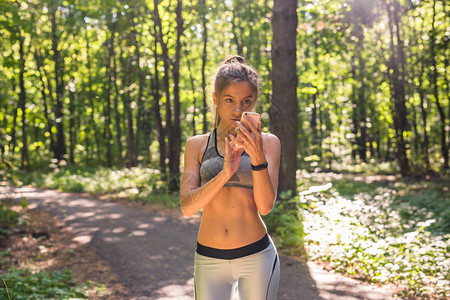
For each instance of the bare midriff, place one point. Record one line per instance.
(231, 220)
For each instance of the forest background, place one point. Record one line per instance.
(117, 83)
(90, 86)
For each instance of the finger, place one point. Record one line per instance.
(242, 130)
(247, 121)
(234, 142)
(252, 126)
(226, 147)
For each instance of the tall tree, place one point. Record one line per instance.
(166, 63)
(160, 130)
(175, 159)
(43, 89)
(60, 147)
(203, 12)
(24, 162)
(117, 120)
(140, 72)
(126, 98)
(92, 119)
(284, 109)
(434, 79)
(110, 79)
(396, 64)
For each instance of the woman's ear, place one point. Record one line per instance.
(214, 99)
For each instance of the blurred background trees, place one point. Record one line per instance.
(120, 83)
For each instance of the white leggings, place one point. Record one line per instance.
(256, 276)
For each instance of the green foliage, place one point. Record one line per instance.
(141, 184)
(286, 222)
(343, 48)
(25, 284)
(377, 234)
(8, 219)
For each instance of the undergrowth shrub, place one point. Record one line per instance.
(25, 284)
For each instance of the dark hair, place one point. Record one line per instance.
(231, 70)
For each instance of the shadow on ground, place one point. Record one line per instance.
(153, 253)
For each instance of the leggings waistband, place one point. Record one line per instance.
(234, 253)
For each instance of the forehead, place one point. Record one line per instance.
(239, 89)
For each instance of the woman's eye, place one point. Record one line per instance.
(248, 101)
(228, 100)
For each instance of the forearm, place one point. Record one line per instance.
(263, 191)
(195, 199)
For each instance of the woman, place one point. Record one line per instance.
(232, 174)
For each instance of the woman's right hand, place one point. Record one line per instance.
(232, 158)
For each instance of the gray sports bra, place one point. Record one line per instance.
(212, 163)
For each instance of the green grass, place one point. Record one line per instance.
(139, 184)
(25, 284)
(285, 222)
(423, 199)
(21, 283)
(387, 231)
(8, 219)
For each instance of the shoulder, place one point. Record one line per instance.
(196, 145)
(271, 139)
(197, 140)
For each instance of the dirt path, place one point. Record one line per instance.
(153, 252)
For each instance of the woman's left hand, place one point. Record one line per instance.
(251, 141)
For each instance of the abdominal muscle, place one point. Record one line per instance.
(231, 220)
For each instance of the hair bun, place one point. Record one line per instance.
(234, 59)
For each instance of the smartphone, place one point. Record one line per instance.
(251, 117)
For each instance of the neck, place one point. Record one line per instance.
(223, 131)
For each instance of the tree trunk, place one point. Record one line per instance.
(355, 115)
(116, 100)
(91, 103)
(284, 109)
(361, 96)
(140, 108)
(60, 148)
(378, 141)
(398, 88)
(127, 105)
(51, 104)
(157, 109)
(424, 122)
(203, 10)
(434, 78)
(165, 56)
(191, 79)
(13, 142)
(39, 66)
(313, 124)
(446, 48)
(236, 35)
(72, 122)
(387, 156)
(108, 103)
(416, 132)
(175, 159)
(24, 162)
(320, 137)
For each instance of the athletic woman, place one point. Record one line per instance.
(232, 174)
